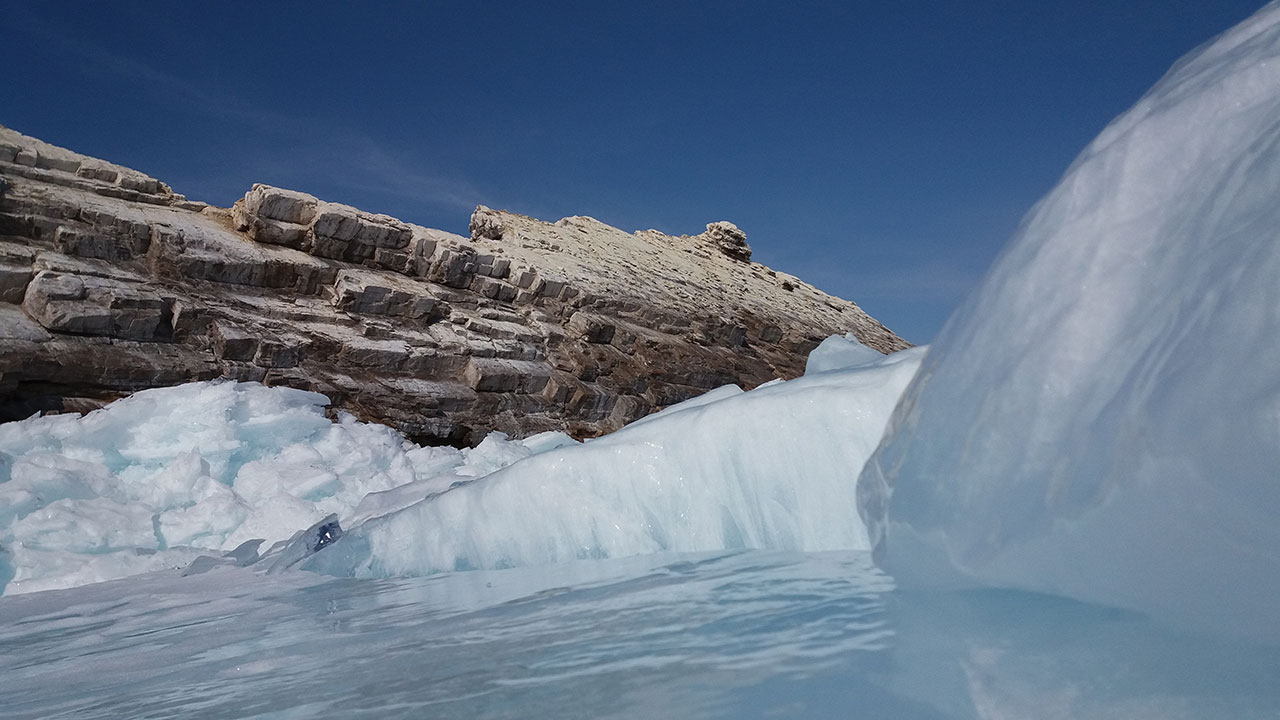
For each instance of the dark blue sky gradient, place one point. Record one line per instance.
(882, 151)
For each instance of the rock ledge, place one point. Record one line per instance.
(110, 282)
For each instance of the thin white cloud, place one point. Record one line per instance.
(384, 173)
(930, 280)
(362, 163)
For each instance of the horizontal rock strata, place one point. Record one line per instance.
(110, 282)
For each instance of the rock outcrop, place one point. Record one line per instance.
(110, 282)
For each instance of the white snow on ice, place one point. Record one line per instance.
(158, 478)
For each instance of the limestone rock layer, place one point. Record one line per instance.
(110, 282)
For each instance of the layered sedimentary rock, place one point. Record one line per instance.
(110, 282)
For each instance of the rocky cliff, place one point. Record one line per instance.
(110, 282)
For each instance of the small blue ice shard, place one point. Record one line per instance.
(246, 553)
(306, 543)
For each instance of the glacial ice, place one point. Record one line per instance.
(1101, 419)
(837, 353)
(304, 544)
(771, 468)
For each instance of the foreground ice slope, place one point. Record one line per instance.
(771, 468)
(1102, 418)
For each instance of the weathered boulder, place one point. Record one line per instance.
(486, 223)
(590, 328)
(267, 230)
(87, 305)
(728, 239)
(347, 224)
(17, 328)
(56, 302)
(283, 205)
(374, 293)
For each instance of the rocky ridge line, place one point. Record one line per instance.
(110, 282)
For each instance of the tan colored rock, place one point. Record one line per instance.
(114, 283)
(486, 224)
(267, 230)
(729, 240)
(373, 293)
(58, 303)
(591, 328)
(342, 224)
(283, 205)
(87, 243)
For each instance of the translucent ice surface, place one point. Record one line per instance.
(1101, 419)
(742, 635)
(838, 352)
(772, 468)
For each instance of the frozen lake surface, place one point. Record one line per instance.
(738, 635)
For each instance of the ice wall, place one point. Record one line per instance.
(771, 468)
(1101, 419)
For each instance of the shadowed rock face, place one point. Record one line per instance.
(110, 283)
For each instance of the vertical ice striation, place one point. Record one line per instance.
(1101, 419)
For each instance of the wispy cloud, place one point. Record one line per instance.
(387, 174)
(930, 280)
(316, 150)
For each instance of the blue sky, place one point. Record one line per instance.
(882, 151)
